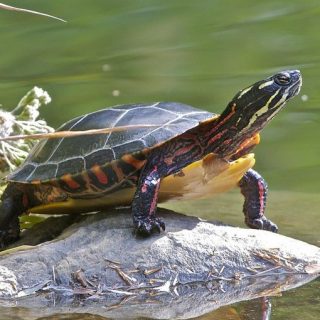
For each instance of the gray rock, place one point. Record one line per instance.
(8, 283)
(97, 262)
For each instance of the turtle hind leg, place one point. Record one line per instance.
(254, 189)
(10, 210)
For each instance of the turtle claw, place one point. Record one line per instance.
(145, 227)
(262, 223)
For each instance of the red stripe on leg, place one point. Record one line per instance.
(261, 197)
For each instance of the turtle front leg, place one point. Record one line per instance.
(144, 204)
(10, 210)
(254, 189)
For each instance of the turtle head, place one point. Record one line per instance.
(256, 105)
(252, 108)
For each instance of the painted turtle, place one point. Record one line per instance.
(193, 152)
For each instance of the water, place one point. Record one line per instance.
(197, 52)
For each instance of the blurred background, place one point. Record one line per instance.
(196, 52)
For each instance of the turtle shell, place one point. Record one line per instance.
(52, 158)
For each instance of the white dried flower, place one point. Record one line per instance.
(42, 95)
(6, 123)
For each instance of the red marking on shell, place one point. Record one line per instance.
(118, 171)
(101, 176)
(72, 184)
(138, 164)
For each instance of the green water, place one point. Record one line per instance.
(197, 52)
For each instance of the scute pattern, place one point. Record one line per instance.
(72, 166)
(53, 158)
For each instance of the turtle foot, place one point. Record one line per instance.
(262, 223)
(9, 235)
(145, 227)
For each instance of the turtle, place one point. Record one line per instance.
(185, 152)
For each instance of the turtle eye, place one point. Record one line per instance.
(282, 79)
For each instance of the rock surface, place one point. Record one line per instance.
(184, 269)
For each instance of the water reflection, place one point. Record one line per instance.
(186, 301)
